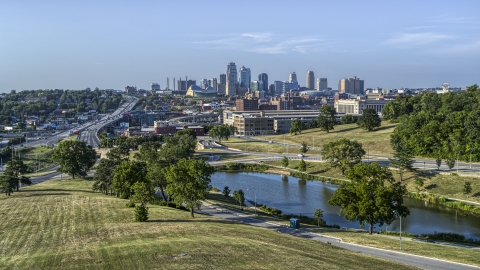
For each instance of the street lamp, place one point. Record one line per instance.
(396, 213)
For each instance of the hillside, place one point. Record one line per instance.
(64, 225)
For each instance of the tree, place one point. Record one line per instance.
(419, 182)
(326, 119)
(402, 158)
(15, 167)
(302, 166)
(369, 119)
(142, 192)
(343, 153)
(438, 161)
(372, 196)
(221, 132)
(178, 147)
(8, 183)
(348, 119)
(303, 148)
(297, 126)
(186, 131)
(450, 163)
(125, 175)
(74, 157)
(120, 152)
(104, 173)
(239, 196)
(285, 162)
(467, 188)
(188, 181)
(318, 216)
(226, 191)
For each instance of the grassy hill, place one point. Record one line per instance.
(375, 142)
(64, 225)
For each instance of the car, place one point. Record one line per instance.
(300, 155)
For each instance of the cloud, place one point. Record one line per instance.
(470, 49)
(415, 39)
(267, 43)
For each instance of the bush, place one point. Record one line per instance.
(141, 213)
(214, 189)
(130, 204)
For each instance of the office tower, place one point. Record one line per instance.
(289, 86)
(271, 89)
(155, 87)
(322, 84)
(222, 78)
(351, 85)
(292, 77)
(244, 77)
(310, 82)
(213, 83)
(231, 79)
(278, 87)
(263, 77)
(256, 86)
(204, 83)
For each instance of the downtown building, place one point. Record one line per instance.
(231, 83)
(310, 81)
(351, 86)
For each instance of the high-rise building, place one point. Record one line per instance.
(351, 85)
(204, 83)
(292, 77)
(213, 83)
(231, 79)
(184, 85)
(256, 86)
(244, 77)
(263, 77)
(155, 87)
(278, 87)
(289, 86)
(322, 84)
(222, 78)
(310, 83)
(271, 89)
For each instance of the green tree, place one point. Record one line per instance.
(303, 148)
(297, 126)
(104, 173)
(239, 196)
(8, 183)
(343, 153)
(187, 131)
(141, 213)
(285, 162)
(369, 119)
(372, 197)
(188, 182)
(221, 132)
(74, 157)
(302, 166)
(419, 182)
(142, 192)
(450, 162)
(348, 119)
(326, 119)
(402, 158)
(226, 191)
(121, 152)
(438, 161)
(178, 147)
(15, 167)
(318, 217)
(467, 188)
(125, 175)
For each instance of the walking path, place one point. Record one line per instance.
(414, 260)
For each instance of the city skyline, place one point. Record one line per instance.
(54, 44)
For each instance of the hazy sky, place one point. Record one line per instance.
(112, 44)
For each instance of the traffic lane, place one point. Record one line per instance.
(413, 260)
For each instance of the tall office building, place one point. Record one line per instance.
(292, 77)
(310, 83)
(244, 77)
(278, 87)
(263, 77)
(213, 83)
(322, 84)
(204, 83)
(256, 86)
(222, 78)
(351, 85)
(231, 79)
(155, 87)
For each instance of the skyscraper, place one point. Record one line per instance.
(263, 77)
(231, 79)
(351, 85)
(222, 78)
(292, 77)
(278, 87)
(322, 84)
(310, 83)
(244, 77)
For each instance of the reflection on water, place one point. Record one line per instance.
(301, 197)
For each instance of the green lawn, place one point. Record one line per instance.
(40, 154)
(64, 225)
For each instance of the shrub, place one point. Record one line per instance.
(214, 189)
(130, 204)
(141, 213)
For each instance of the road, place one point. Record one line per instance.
(413, 260)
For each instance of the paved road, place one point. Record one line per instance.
(413, 260)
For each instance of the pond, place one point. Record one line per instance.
(300, 197)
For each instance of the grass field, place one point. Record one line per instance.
(40, 154)
(64, 225)
(375, 142)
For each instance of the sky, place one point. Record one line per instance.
(111, 44)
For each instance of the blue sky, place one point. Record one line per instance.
(112, 44)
